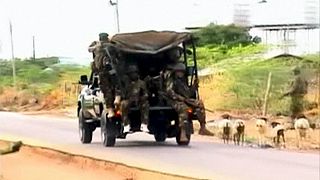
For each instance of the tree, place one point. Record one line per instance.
(228, 35)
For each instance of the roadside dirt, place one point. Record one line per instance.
(32, 163)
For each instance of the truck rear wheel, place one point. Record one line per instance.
(160, 137)
(188, 130)
(106, 138)
(85, 129)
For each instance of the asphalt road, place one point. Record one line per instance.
(201, 159)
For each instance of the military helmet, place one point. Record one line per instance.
(103, 35)
(179, 67)
(132, 69)
(175, 53)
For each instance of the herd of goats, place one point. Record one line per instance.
(234, 129)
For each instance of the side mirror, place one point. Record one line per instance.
(84, 80)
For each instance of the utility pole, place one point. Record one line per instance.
(117, 13)
(12, 56)
(34, 49)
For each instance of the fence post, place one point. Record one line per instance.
(318, 91)
(266, 96)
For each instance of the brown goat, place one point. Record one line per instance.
(279, 132)
(238, 132)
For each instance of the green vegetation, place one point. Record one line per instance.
(244, 81)
(240, 71)
(224, 35)
(208, 55)
(39, 76)
(218, 42)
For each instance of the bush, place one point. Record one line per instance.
(227, 35)
(208, 55)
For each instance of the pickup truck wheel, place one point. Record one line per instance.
(107, 140)
(85, 129)
(188, 130)
(160, 137)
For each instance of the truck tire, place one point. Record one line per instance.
(107, 139)
(160, 137)
(188, 134)
(85, 129)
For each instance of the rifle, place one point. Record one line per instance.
(112, 70)
(91, 77)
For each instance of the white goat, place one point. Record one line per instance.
(301, 126)
(222, 128)
(238, 131)
(261, 126)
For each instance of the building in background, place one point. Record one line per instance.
(241, 14)
(285, 33)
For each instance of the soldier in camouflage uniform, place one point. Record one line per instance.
(175, 72)
(101, 58)
(136, 95)
(298, 89)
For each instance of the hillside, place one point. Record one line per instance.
(39, 83)
(237, 80)
(239, 83)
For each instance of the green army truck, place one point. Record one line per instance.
(149, 51)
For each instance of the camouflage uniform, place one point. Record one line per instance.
(298, 89)
(136, 95)
(108, 87)
(180, 98)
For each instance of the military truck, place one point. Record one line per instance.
(149, 51)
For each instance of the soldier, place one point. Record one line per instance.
(136, 95)
(97, 49)
(174, 55)
(180, 95)
(99, 66)
(298, 89)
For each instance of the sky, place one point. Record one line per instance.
(67, 27)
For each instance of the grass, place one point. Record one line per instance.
(243, 83)
(208, 55)
(39, 77)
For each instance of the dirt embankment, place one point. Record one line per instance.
(23, 100)
(39, 163)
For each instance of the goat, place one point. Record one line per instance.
(238, 131)
(301, 126)
(277, 132)
(261, 126)
(225, 125)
